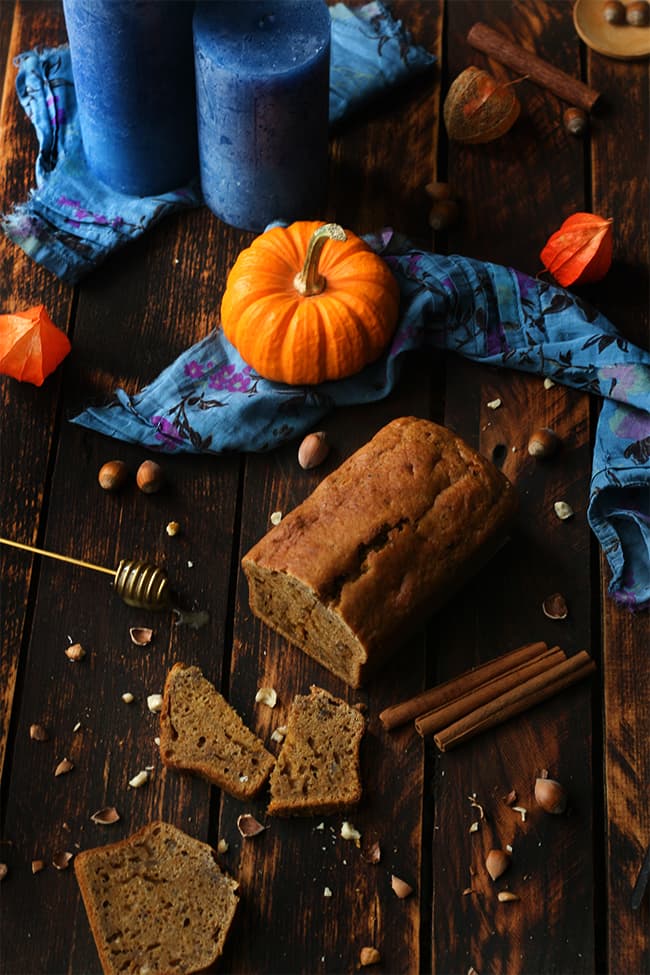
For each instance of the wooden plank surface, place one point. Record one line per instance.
(128, 320)
(618, 188)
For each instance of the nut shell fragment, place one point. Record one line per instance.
(249, 826)
(106, 816)
(62, 860)
(140, 635)
(64, 766)
(555, 607)
(4, 870)
(38, 733)
(38, 865)
(506, 895)
(400, 887)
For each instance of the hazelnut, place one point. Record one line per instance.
(313, 450)
(497, 862)
(112, 475)
(443, 214)
(637, 14)
(575, 121)
(150, 477)
(543, 443)
(439, 191)
(614, 12)
(550, 795)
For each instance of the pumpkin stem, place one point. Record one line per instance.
(309, 281)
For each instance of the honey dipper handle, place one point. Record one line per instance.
(55, 555)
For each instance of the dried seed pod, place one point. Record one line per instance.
(369, 956)
(313, 450)
(576, 121)
(555, 607)
(400, 887)
(543, 443)
(478, 108)
(550, 795)
(497, 862)
(113, 475)
(150, 477)
(637, 13)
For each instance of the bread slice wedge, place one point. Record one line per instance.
(156, 902)
(318, 768)
(201, 733)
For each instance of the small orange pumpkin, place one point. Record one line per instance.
(309, 302)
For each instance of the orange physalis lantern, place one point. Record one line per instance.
(31, 346)
(580, 252)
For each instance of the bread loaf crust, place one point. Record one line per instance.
(379, 545)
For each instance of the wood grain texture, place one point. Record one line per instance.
(552, 927)
(29, 414)
(621, 188)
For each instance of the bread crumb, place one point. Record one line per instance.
(266, 695)
(327, 892)
(128, 698)
(139, 780)
(348, 832)
(222, 846)
(154, 702)
(548, 383)
(494, 404)
(276, 517)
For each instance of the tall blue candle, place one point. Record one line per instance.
(133, 69)
(262, 85)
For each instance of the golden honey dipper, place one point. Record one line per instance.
(138, 584)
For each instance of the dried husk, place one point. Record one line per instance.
(580, 252)
(478, 108)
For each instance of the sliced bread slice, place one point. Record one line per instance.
(156, 902)
(201, 733)
(318, 768)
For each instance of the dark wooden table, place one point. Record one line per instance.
(134, 315)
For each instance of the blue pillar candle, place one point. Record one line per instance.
(133, 69)
(262, 87)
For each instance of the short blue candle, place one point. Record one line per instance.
(262, 85)
(133, 69)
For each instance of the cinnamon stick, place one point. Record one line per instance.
(502, 49)
(515, 701)
(435, 697)
(443, 716)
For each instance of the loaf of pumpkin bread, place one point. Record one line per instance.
(379, 545)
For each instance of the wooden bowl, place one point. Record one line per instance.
(615, 41)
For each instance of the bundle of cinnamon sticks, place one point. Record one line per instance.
(486, 696)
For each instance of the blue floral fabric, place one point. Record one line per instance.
(72, 221)
(209, 400)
